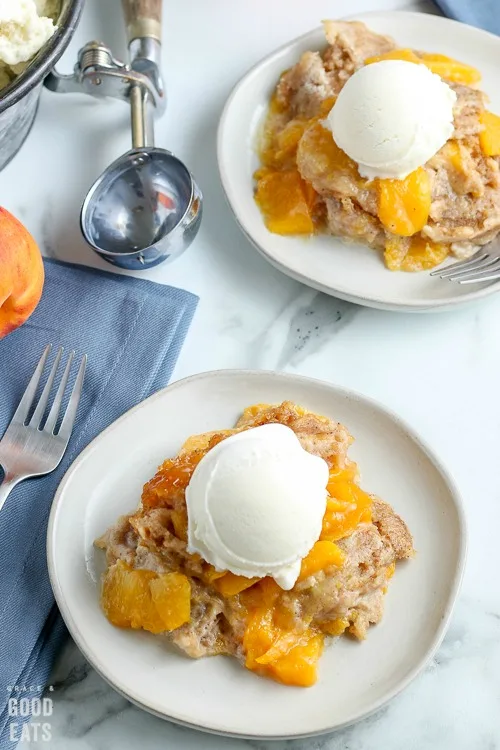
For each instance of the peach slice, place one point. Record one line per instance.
(126, 598)
(210, 574)
(408, 55)
(323, 554)
(143, 599)
(404, 205)
(325, 107)
(283, 645)
(445, 67)
(299, 667)
(318, 148)
(413, 254)
(489, 137)
(283, 200)
(286, 144)
(347, 506)
(450, 69)
(171, 595)
(260, 634)
(335, 627)
(231, 584)
(286, 656)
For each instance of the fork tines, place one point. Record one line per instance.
(480, 267)
(28, 399)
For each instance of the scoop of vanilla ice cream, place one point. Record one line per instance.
(391, 117)
(255, 504)
(22, 31)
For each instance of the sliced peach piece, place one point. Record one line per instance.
(299, 666)
(282, 199)
(230, 584)
(450, 69)
(347, 505)
(262, 172)
(260, 634)
(326, 106)
(210, 574)
(446, 67)
(285, 618)
(250, 412)
(282, 646)
(457, 163)
(171, 595)
(349, 493)
(413, 254)
(489, 137)
(174, 472)
(262, 595)
(126, 598)
(335, 627)
(287, 141)
(322, 555)
(319, 145)
(408, 55)
(424, 255)
(276, 105)
(404, 205)
(452, 152)
(349, 472)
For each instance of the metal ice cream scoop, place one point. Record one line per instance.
(146, 207)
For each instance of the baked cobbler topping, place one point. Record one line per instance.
(155, 583)
(307, 184)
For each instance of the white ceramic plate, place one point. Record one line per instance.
(352, 272)
(217, 694)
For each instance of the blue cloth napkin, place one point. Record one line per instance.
(132, 331)
(482, 13)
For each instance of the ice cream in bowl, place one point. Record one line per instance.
(25, 26)
(33, 35)
(257, 542)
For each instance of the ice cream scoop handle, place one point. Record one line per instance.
(143, 18)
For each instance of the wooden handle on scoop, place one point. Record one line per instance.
(143, 18)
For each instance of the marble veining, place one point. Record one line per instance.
(297, 330)
(312, 325)
(439, 371)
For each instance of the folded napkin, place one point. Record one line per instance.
(482, 13)
(132, 331)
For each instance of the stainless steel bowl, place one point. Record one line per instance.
(19, 100)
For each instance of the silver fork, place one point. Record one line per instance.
(27, 449)
(483, 266)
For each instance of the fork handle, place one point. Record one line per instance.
(6, 487)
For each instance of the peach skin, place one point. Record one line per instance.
(21, 273)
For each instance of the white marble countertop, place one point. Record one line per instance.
(439, 371)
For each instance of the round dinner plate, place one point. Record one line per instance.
(217, 694)
(352, 272)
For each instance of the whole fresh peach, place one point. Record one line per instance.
(21, 273)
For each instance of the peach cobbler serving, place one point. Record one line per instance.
(256, 542)
(390, 147)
